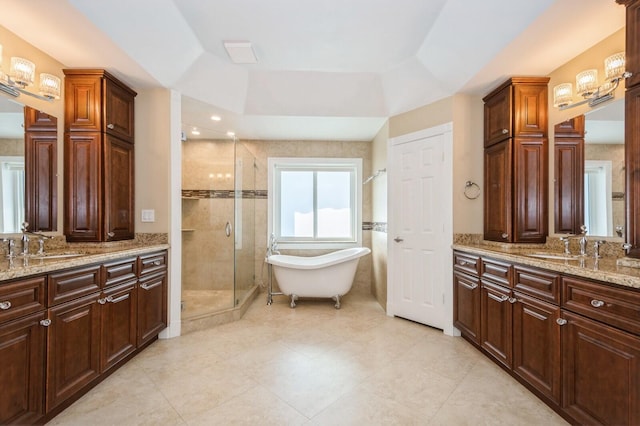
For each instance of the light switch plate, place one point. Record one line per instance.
(148, 216)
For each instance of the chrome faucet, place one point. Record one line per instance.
(583, 241)
(11, 247)
(596, 247)
(566, 241)
(25, 239)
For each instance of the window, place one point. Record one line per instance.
(315, 202)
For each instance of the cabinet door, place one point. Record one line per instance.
(82, 102)
(41, 183)
(498, 192)
(118, 324)
(83, 183)
(530, 190)
(536, 344)
(38, 121)
(633, 42)
(119, 110)
(22, 349)
(496, 313)
(530, 110)
(466, 306)
(73, 354)
(119, 190)
(152, 306)
(569, 184)
(632, 164)
(497, 116)
(601, 373)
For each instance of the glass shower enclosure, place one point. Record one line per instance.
(218, 221)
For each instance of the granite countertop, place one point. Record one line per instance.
(604, 269)
(32, 265)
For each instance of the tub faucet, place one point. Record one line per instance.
(273, 245)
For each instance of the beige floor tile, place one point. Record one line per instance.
(310, 365)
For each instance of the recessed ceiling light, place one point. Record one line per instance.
(240, 52)
(230, 134)
(216, 118)
(195, 132)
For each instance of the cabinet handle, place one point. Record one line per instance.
(505, 131)
(501, 298)
(462, 263)
(561, 321)
(145, 286)
(472, 286)
(45, 322)
(157, 262)
(505, 235)
(110, 126)
(5, 305)
(597, 303)
(111, 234)
(111, 299)
(512, 300)
(102, 301)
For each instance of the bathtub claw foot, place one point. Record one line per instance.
(337, 299)
(293, 300)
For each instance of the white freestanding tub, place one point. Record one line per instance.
(329, 275)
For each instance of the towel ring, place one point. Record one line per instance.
(471, 190)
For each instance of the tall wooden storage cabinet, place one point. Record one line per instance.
(41, 195)
(516, 164)
(98, 157)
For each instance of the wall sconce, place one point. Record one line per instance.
(22, 74)
(587, 84)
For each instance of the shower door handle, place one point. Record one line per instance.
(398, 239)
(228, 229)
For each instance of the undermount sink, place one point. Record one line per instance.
(557, 256)
(56, 255)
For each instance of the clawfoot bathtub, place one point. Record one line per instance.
(329, 275)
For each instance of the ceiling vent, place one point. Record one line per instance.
(240, 52)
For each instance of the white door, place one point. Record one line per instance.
(420, 227)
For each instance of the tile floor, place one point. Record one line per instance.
(312, 365)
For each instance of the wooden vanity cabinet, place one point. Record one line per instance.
(601, 372)
(466, 294)
(22, 350)
(152, 296)
(515, 206)
(99, 157)
(572, 341)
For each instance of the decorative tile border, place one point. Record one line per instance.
(203, 194)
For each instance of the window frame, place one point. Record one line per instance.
(279, 164)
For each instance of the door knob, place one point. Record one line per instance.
(398, 240)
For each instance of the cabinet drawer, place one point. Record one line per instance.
(120, 271)
(496, 271)
(69, 285)
(152, 263)
(537, 283)
(466, 262)
(617, 307)
(22, 297)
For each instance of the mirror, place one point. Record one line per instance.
(604, 177)
(12, 174)
(28, 179)
(590, 172)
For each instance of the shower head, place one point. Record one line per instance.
(373, 176)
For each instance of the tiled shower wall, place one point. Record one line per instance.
(208, 203)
